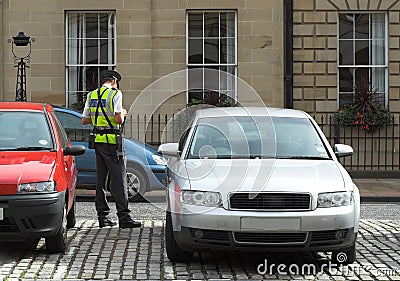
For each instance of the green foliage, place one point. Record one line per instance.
(365, 119)
(215, 99)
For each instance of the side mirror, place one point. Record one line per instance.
(343, 150)
(74, 150)
(169, 149)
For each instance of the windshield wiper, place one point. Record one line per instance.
(28, 148)
(303, 157)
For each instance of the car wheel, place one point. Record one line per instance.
(58, 242)
(137, 183)
(344, 256)
(71, 220)
(174, 253)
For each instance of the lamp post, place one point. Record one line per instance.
(21, 40)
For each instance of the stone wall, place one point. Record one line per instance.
(151, 43)
(315, 51)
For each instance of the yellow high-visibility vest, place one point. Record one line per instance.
(101, 122)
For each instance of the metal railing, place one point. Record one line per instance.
(376, 150)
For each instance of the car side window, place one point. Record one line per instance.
(61, 132)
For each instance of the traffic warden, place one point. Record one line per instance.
(103, 109)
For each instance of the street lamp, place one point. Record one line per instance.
(21, 40)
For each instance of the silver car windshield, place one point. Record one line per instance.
(24, 131)
(256, 137)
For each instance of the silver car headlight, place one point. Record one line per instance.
(335, 199)
(159, 160)
(44, 186)
(202, 198)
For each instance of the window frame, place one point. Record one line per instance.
(99, 38)
(370, 66)
(205, 65)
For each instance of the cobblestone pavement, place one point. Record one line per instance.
(139, 254)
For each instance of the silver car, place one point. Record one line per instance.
(259, 179)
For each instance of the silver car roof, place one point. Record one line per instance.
(250, 111)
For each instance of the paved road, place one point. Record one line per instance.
(139, 254)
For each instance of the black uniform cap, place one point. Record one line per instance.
(110, 74)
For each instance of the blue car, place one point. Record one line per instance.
(145, 168)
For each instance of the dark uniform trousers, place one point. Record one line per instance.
(107, 163)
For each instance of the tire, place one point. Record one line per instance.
(174, 253)
(137, 183)
(71, 219)
(58, 242)
(344, 256)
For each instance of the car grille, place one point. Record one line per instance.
(270, 238)
(8, 225)
(270, 201)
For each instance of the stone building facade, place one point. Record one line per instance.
(148, 39)
(150, 43)
(316, 51)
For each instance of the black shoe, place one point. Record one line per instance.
(129, 224)
(106, 222)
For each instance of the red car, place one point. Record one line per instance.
(37, 175)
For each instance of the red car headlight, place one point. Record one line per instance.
(44, 186)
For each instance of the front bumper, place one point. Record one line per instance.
(31, 216)
(323, 229)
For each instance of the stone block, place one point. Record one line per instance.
(353, 5)
(57, 29)
(307, 106)
(162, 4)
(168, 42)
(304, 29)
(303, 81)
(92, 4)
(332, 42)
(297, 93)
(179, 56)
(324, 5)
(47, 70)
(139, 56)
(297, 68)
(132, 16)
(161, 56)
(332, 17)
(314, 17)
(332, 93)
(297, 17)
(341, 5)
(326, 106)
(142, 28)
(314, 68)
(394, 68)
(250, 14)
(332, 68)
(168, 15)
(326, 29)
(297, 42)
(235, 4)
(301, 5)
(326, 55)
(314, 93)
(314, 42)
(394, 17)
(138, 4)
(179, 28)
(363, 4)
(193, 4)
(303, 55)
(385, 5)
(326, 80)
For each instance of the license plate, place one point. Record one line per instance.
(1, 214)
(254, 223)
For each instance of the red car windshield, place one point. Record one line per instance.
(24, 131)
